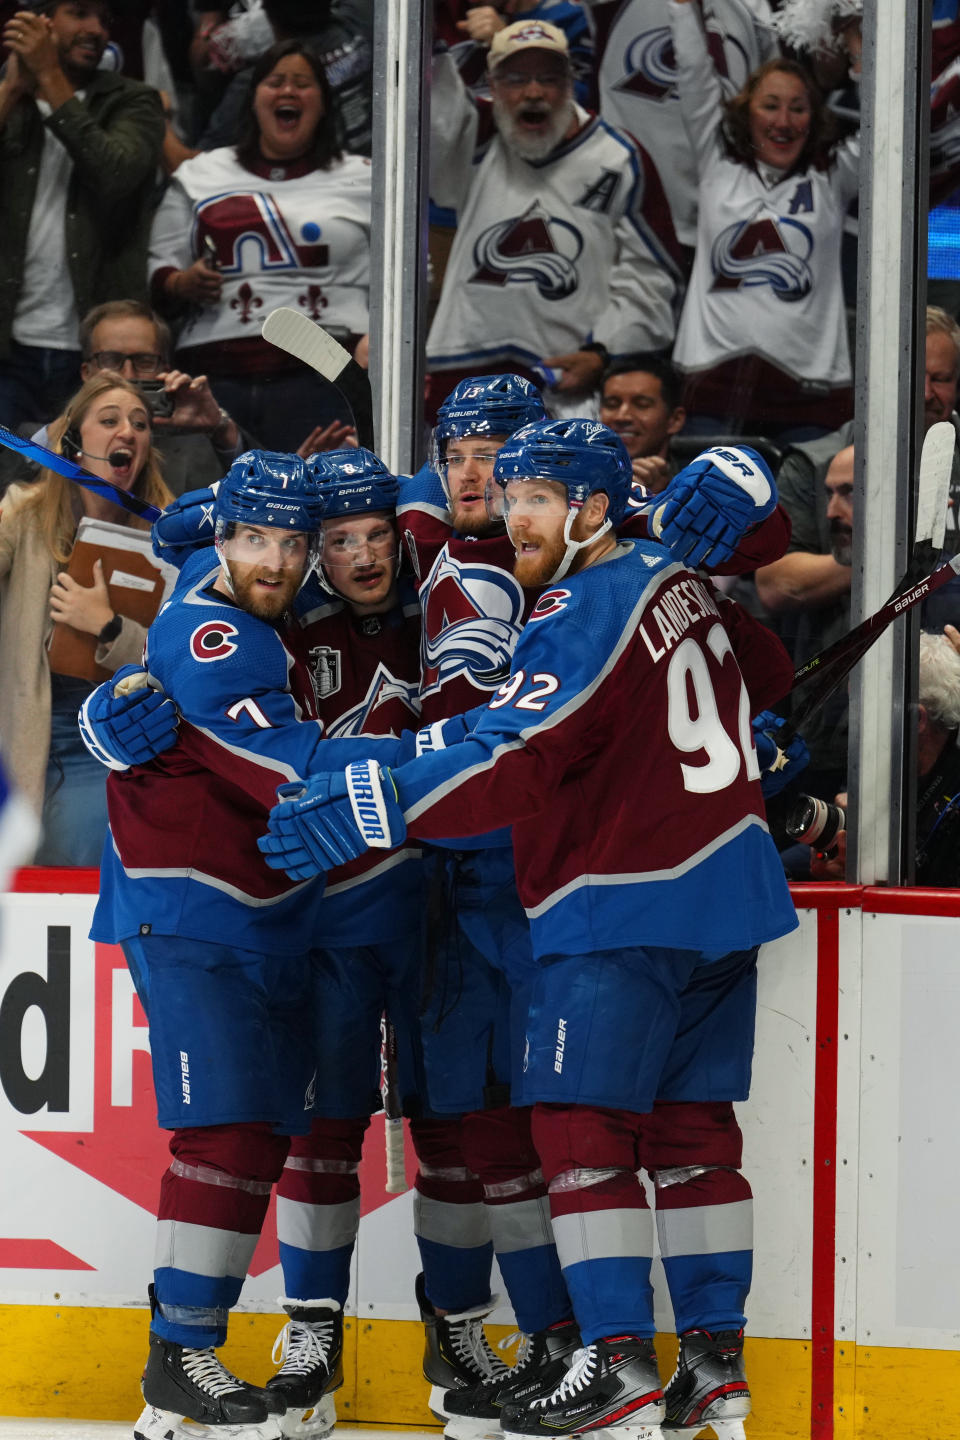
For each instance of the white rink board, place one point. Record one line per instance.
(96, 1218)
(909, 1272)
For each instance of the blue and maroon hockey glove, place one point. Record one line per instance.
(332, 819)
(185, 525)
(709, 506)
(777, 767)
(127, 721)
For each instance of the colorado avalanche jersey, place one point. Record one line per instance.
(766, 278)
(627, 658)
(549, 254)
(180, 856)
(638, 81)
(282, 236)
(366, 675)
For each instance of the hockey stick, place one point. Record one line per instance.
(290, 331)
(393, 1122)
(826, 671)
(52, 461)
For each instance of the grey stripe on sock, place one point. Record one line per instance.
(706, 1229)
(317, 1227)
(202, 1249)
(603, 1235)
(461, 1226)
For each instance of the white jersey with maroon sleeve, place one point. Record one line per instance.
(552, 254)
(281, 236)
(638, 81)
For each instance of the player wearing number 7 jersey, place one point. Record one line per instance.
(620, 751)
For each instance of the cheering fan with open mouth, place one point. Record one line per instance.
(282, 219)
(106, 428)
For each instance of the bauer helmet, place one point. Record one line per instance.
(583, 456)
(353, 481)
(485, 405)
(271, 489)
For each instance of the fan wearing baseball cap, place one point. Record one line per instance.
(565, 252)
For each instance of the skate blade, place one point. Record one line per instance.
(157, 1424)
(311, 1424)
(731, 1429)
(436, 1405)
(467, 1427)
(629, 1430)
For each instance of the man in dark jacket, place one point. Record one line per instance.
(79, 149)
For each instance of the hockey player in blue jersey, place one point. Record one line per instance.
(218, 951)
(648, 886)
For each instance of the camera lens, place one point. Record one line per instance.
(815, 822)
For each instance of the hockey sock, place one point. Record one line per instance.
(498, 1148)
(213, 1200)
(603, 1227)
(449, 1220)
(704, 1212)
(318, 1208)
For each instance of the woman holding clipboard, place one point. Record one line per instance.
(105, 427)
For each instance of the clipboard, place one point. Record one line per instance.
(137, 582)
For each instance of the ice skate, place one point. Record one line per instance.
(309, 1350)
(474, 1411)
(456, 1351)
(709, 1386)
(611, 1385)
(191, 1394)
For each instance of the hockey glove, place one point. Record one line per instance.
(185, 525)
(127, 721)
(777, 767)
(708, 506)
(333, 819)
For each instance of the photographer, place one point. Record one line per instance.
(196, 439)
(938, 778)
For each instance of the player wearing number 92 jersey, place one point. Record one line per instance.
(620, 751)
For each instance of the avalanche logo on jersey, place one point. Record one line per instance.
(472, 615)
(550, 602)
(769, 250)
(212, 640)
(533, 248)
(650, 67)
(382, 690)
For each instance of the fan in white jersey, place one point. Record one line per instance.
(564, 248)
(762, 337)
(282, 219)
(637, 78)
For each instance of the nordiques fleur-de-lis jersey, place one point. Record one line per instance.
(621, 752)
(282, 235)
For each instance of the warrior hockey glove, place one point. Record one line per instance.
(333, 819)
(777, 767)
(125, 721)
(710, 505)
(185, 525)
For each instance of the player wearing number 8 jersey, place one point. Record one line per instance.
(648, 885)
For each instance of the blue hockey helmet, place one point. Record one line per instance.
(353, 481)
(271, 489)
(487, 405)
(268, 487)
(582, 455)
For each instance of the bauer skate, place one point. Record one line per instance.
(191, 1395)
(309, 1350)
(474, 1411)
(456, 1352)
(709, 1386)
(611, 1385)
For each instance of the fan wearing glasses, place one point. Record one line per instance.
(197, 439)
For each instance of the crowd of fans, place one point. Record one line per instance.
(644, 206)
